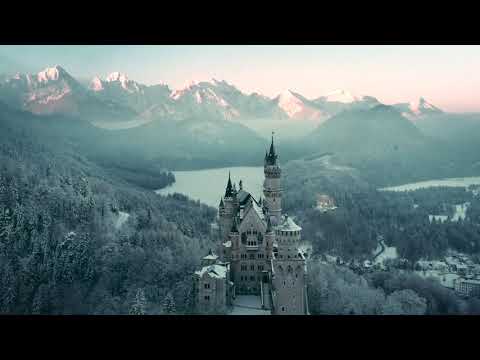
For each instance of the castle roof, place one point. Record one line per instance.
(243, 197)
(288, 225)
(210, 256)
(214, 271)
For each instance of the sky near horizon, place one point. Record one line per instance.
(447, 76)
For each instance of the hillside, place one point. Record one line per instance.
(62, 250)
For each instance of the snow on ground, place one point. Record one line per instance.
(122, 217)
(389, 252)
(455, 182)
(248, 305)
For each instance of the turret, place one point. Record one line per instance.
(271, 186)
(288, 236)
(228, 210)
(221, 206)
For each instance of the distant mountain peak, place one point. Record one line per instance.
(340, 95)
(422, 106)
(417, 109)
(96, 84)
(116, 76)
(290, 103)
(52, 73)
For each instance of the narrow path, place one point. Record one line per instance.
(382, 245)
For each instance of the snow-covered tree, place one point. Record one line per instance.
(169, 304)
(404, 302)
(139, 306)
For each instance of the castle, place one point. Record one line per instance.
(258, 252)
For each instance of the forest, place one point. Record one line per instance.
(61, 249)
(402, 218)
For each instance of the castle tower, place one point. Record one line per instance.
(272, 190)
(289, 271)
(226, 210)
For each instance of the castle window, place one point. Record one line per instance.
(252, 278)
(252, 256)
(207, 297)
(207, 286)
(244, 238)
(252, 267)
(283, 308)
(243, 267)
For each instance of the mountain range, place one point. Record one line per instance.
(213, 123)
(117, 99)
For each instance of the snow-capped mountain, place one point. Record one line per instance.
(149, 100)
(299, 108)
(118, 81)
(341, 96)
(205, 98)
(118, 99)
(341, 100)
(417, 109)
(54, 91)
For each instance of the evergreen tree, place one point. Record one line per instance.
(169, 304)
(139, 304)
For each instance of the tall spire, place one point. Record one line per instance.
(228, 190)
(271, 158)
(272, 148)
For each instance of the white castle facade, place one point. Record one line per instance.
(258, 252)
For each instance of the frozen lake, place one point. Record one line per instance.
(452, 182)
(209, 185)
